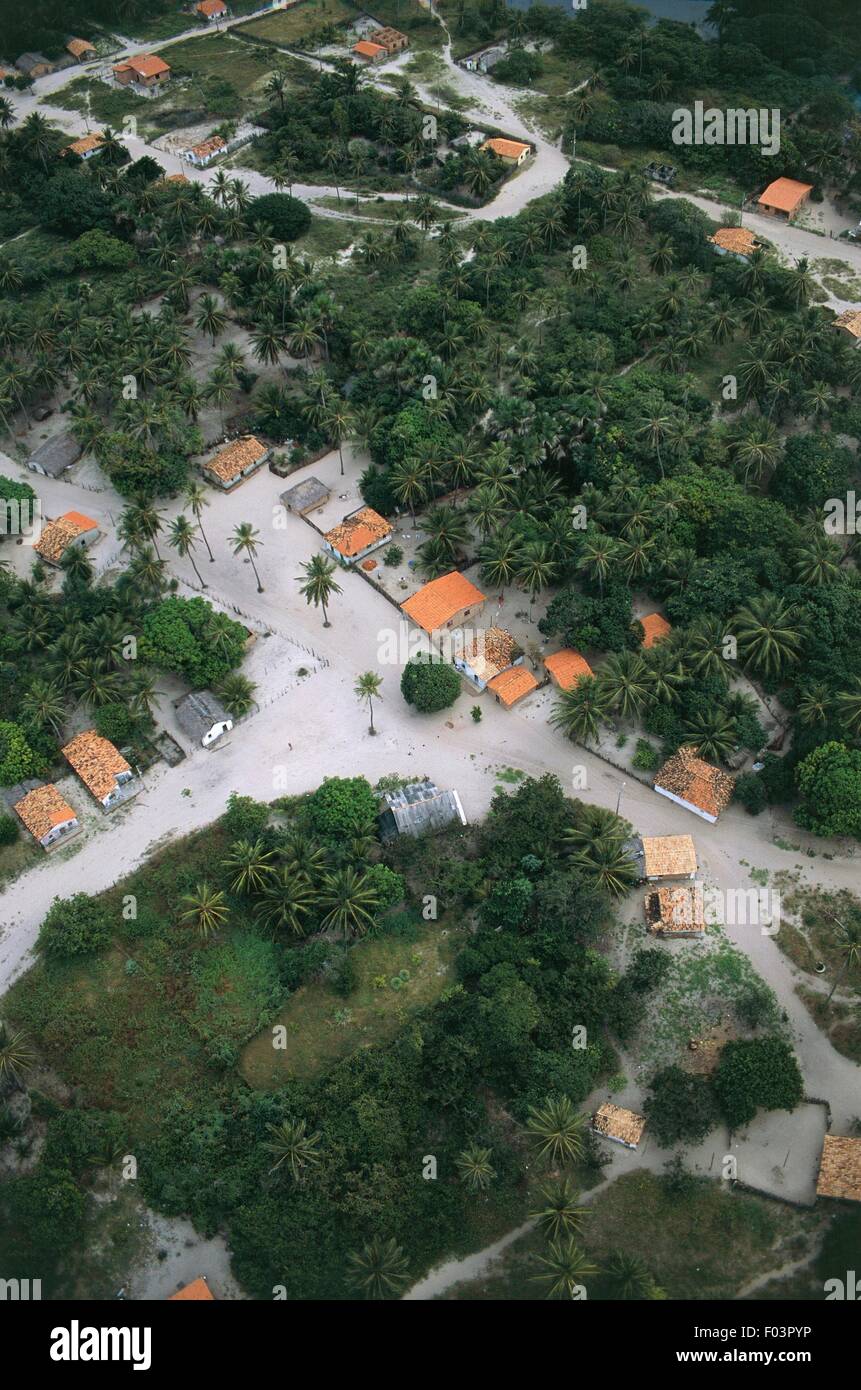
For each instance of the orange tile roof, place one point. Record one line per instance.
(198, 1289)
(211, 145)
(96, 761)
(668, 856)
(174, 178)
(692, 779)
(42, 809)
(655, 627)
(355, 533)
(234, 458)
(785, 194)
(58, 535)
(506, 149)
(840, 1168)
(436, 603)
(78, 47)
(567, 667)
(737, 239)
(850, 319)
(676, 909)
(368, 50)
(511, 685)
(84, 145)
(208, 7)
(144, 64)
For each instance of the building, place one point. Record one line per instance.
(676, 910)
(840, 1168)
(81, 49)
(203, 154)
(303, 497)
(198, 1290)
(392, 40)
(655, 628)
(485, 60)
(480, 655)
(34, 65)
(72, 530)
(668, 856)
(784, 198)
(357, 535)
(235, 462)
(201, 716)
(566, 667)
(512, 686)
(849, 322)
(47, 815)
(512, 152)
(56, 455)
(102, 769)
(695, 784)
(417, 808)
(145, 72)
(622, 1126)
(85, 148)
(734, 241)
(211, 10)
(444, 603)
(369, 52)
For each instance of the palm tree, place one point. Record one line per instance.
(819, 562)
(196, 499)
(285, 902)
(757, 449)
(559, 1212)
(849, 705)
(713, 732)
(245, 539)
(250, 864)
(44, 706)
(567, 1267)
(850, 949)
(624, 679)
(768, 634)
(629, 1276)
(597, 556)
(303, 856)
(236, 693)
(351, 900)
(319, 583)
(211, 318)
(183, 538)
(475, 1168)
(205, 909)
(817, 704)
(142, 520)
(379, 1269)
(556, 1129)
(535, 569)
(16, 1056)
(607, 861)
(705, 648)
(291, 1144)
(580, 711)
(366, 690)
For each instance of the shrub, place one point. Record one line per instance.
(245, 818)
(429, 685)
(829, 781)
(82, 1139)
(680, 1107)
(343, 807)
(393, 555)
(8, 830)
(74, 926)
(750, 793)
(345, 976)
(758, 1075)
(389, 886)
(115, 722)
(17, 759)
(288, 217)
(646, 756)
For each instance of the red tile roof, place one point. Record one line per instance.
(437, 602)
(567, 667)
(368, 50)
(511, 685)
(198, 1289)
(785, 194)
(655, 627)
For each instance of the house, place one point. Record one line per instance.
(734, 241)
(676, 910)
(34, 65)
(211, 10)
(71, 531)
(56, 455)
(784, 198)
(840, 1168)
(145, 71)
(480, 655)
(102, 769)
(84, 148)
(512, 686)
(369, 52)
(201, 716)
(566, 667)
(622, 1126)
(81, 49)
(695, 784)
(392, 40)
(509, 151)
(235, 462)
(668, 856)
(47, 815)
(303, 497)
(485, 60)
(357, 535)
(655, 628)
(417, 808)
(198, 1289)
(444, 603)
(849, 322)
(203, 154)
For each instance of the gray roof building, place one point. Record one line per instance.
(28, 62)
(417, 808)
(305, 496)
(201, 716)
(56, 455)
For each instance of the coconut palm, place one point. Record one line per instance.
(558, 1212)
(141, 521)
(16, 1057)
(211, 318)
(850, 948)
(236, 693)
(303, 856)
(44, 706)
(757, 449)
(498, 559)
(379, 1269)
(817, 704)
(350, 900)
(768, 633)
(183, 538)
(338, 424)
(706, 648)
(819, 562)
(591, 825)
(713, 732)
(624, 679)
(294, 1148)
(580, 711)
(598, 554)
(475, 1168)
(556, 1128)
(196, 499)
(319, 584)
(849, 707)
(245, 540)
(250, 863)
(449, 527)
(204, 909)
(535, 569)
(629, 1276)
(366, 690)
(410, 482)
(566, 1269)
(608, 863)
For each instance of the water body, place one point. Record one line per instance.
(685, 11)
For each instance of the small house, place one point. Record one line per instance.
(102, 769)
(357, 535)
(304, 497)
(392, 40)
(146, 72)
(34, 65)
(840, 1168)
(368, 52)
(201, 716)
(484, 653)
(784, 198)
(56, 455)
(444, 603)
(512, 152)
(734, 241)
(202, 154)
(691, 782)
(236, 462)
(211, 10)
(655, 629)
(71, 531)
(849, 323)
(47, 815)
(81, 49)
(417, 808)
(566, 667)
(676, 910)
(198, 1290)
(85, 148)
(512, 686)
(622, 1126)
(668, 856)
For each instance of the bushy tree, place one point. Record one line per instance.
(343, 807)
(74, 926)
(429, 685)
(681, 1107)
(17, 759)
(761, 1074)
(829, 782)
(287, 217)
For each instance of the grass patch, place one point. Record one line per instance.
(817, 937)
(105, 105)
(327, 236)
(244, 65)
(291, 26)
(17, 858)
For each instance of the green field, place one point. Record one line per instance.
(291, 26)
(221, 56)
